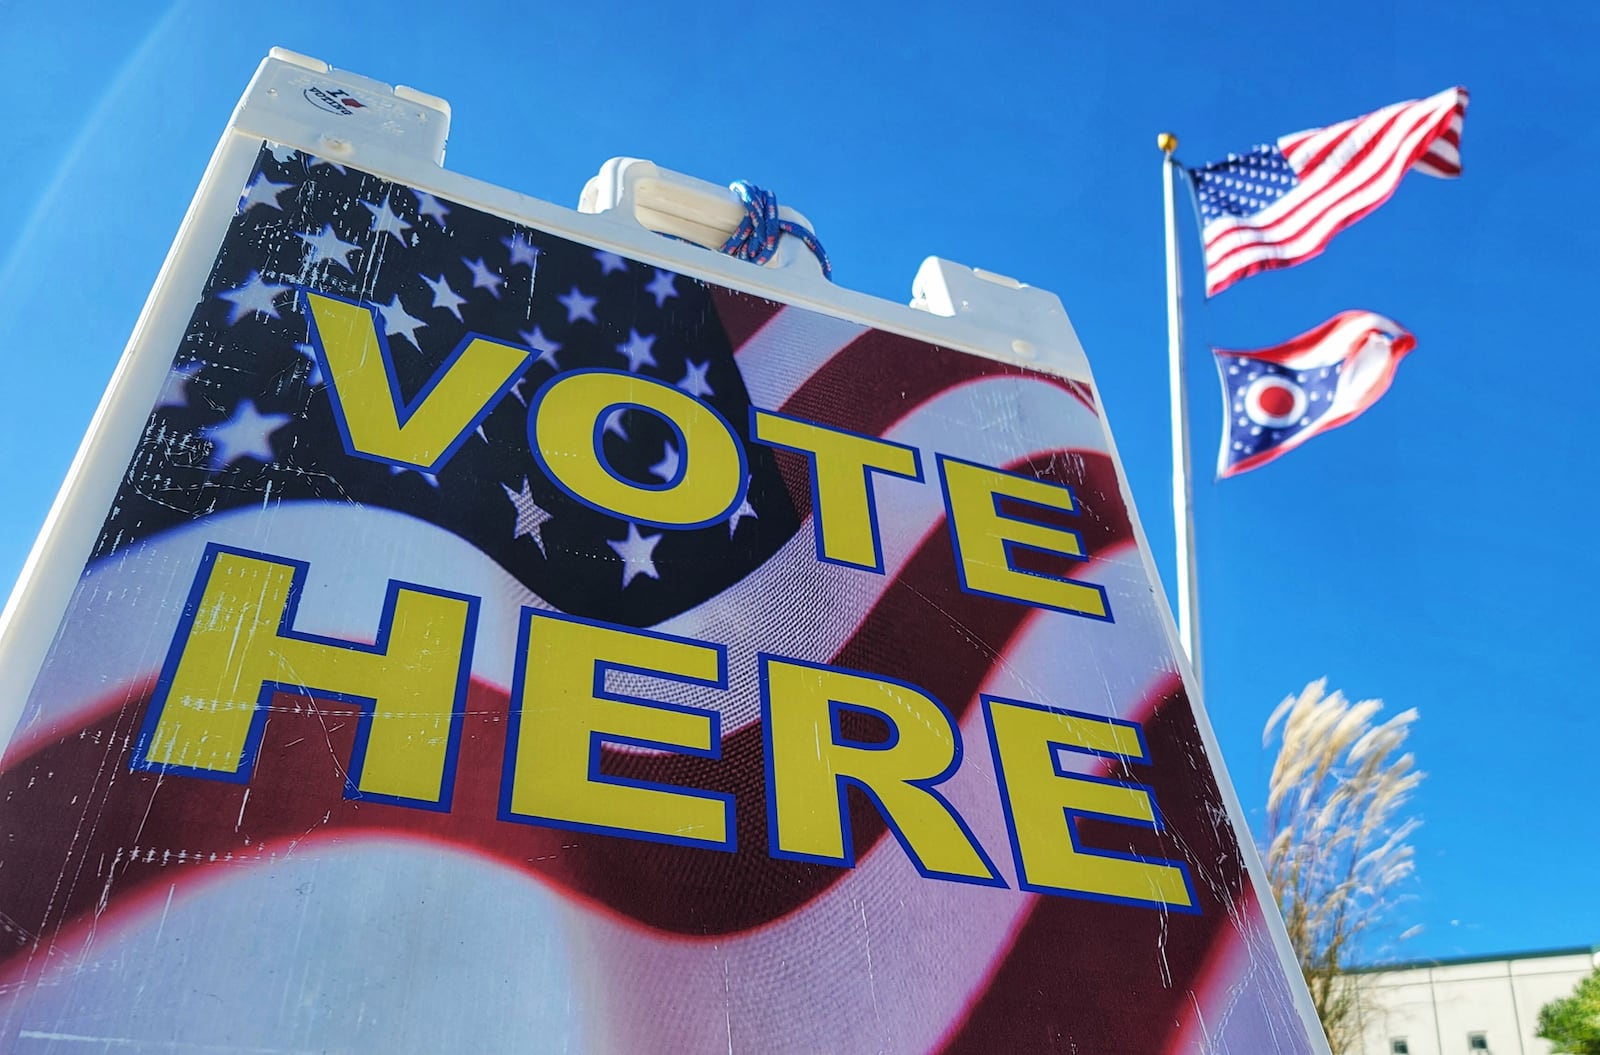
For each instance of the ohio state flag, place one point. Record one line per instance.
(1274, 399)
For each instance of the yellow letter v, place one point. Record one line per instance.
(367, 405)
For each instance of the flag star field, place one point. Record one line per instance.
(261, 430)
(1243, 184)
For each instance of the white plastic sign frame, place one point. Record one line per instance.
(706, 657)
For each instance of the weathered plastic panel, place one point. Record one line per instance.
(446, 642)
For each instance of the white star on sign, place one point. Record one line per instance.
(530, 518)
(248, 434)
(667, 468)
(428, 205)
(637, 349)
(396, 470)
(397, 320)
(386, 221)
(256, 296)
(314, 368)
(444, 296)
(262, 191)
(177, 379)
(613, 423)
(483, 278)
(635, 551)
(522, 250)
(610, 262)
(662, 286)
(578, 306)
(327, 245)
(546, 348)
(694, 378)
(745, 510)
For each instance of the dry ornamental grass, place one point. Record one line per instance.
(1337, 840)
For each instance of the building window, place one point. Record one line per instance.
(1477, 1042)
(1398, 1046)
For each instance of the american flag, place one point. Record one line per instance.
(1279, 205)
(1275, 399)
(159, 912)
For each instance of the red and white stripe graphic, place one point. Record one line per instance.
(1345, 171)
(1363, 346)
(282, 916)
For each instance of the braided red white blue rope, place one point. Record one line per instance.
(756, 238)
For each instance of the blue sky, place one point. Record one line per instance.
(1437, 553)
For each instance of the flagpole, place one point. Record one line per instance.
(1182, 492)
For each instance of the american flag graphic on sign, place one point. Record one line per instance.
(300, 890)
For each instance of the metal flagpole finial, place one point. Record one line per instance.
(1167, 142)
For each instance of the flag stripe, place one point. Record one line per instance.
(1329, 196)
(873, 380)
(1347, 139)
(1342, 173)
(1310, 242)
(880, 377)
(787, 350)
(1223, 1013)
(743, 315)
(603, 869)
(1361, 184)
(1318, 145)
(1361, 153)
(1339, 369)
(644, 956)
(1321, 346)
(1032, 1004)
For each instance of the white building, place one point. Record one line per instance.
(1466, 1006)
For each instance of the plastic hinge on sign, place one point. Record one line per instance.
(401, 91)
(1032, 318)
(297, 59)
(670, 203)
(342, 116)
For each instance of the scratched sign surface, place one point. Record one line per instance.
(499, 644)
